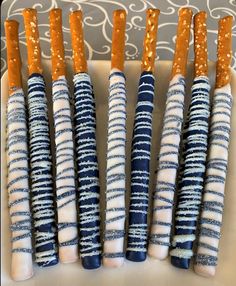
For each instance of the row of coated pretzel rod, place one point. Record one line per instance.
(201, 179)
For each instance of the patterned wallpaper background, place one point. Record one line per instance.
(98, 25)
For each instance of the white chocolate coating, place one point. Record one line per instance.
(213, 199)
(18, 187)
(65, 173)
(167, 170)
(115, 194)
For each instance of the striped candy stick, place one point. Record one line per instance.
(65, 168)
(195, 141)
(115, 177)
(17, 161)
(141, 146)
(216, 169)
(40, 153)
(168, 158)
(86, 154)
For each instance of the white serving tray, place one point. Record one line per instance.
(151, 272)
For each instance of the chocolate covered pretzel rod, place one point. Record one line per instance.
(40, 153)
(141, 146)
(195, 140)
(115, 173)
(86, 153)
(65, 169)
(170, 140)
(213, 199)
(17, 162)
